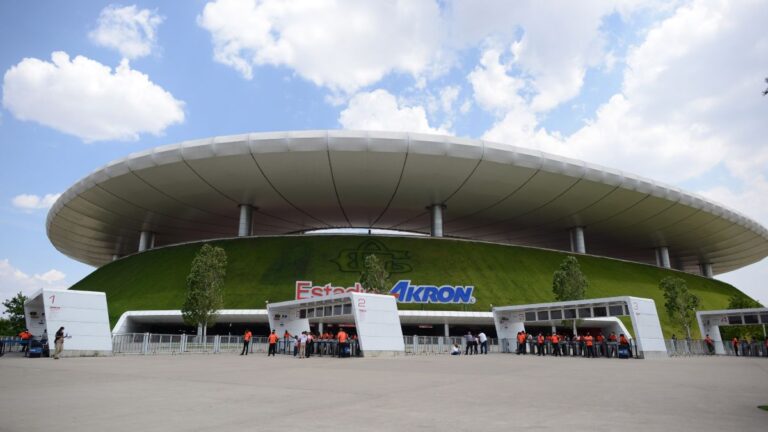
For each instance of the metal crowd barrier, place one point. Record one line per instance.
(604, 349)
(153, 343)
(697, 347)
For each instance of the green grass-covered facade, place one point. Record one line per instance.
(266, 268)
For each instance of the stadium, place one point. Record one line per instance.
(297, 212)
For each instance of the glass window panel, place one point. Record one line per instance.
(585, 313)
(556, 314)
(750, 319)
(734, 319)
(319, 312)
(543, 315)
(764, 318)
(337, 309)
(530, 316)
(616, 310)
(347, 308)
(570, 313)
(303, 313)
(600, 311)
(328, 310)
(311, 313)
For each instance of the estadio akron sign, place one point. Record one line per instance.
(404, 290)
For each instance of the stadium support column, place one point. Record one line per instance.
(246, 221)
(662, 257)
(436, 226)
(446, 330)
(146, 240)
(577, 240)
(706, 269)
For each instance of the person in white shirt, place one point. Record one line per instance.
(455, 350)
(302, 344)
(483, 343)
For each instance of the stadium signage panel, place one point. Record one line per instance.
(403, 290)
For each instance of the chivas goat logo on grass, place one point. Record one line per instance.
(352, 260)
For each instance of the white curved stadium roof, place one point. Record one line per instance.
(300, 181)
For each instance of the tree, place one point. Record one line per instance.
(680, 303)
(14, 309)
(568, 282)
(742, 302)
(204, 287)
(374, 277)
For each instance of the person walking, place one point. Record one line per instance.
(246, 342)
(483, 343)
(59, 342)
(735, 343)
(272, 339)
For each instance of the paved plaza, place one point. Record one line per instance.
(494, 392)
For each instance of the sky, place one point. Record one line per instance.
(670, 90)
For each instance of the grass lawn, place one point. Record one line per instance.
(267, 268)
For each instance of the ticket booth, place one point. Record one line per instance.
(83, 314)
(375, 318)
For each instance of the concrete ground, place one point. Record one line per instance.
(493, 392)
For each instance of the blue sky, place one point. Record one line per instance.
(667, 90)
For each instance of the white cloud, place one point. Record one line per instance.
(380, 110)
(343, 45)
(689, 101)
(130, 31)
(83, 97)
(34, 202)
(13, 280)
(495, 90)
(552, 44)
(448, 96)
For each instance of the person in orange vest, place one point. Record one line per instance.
(25, 336)
(589, 341)
(520, 343)
(272, 339)
(246, 342)
(540, 344)
(555, 345)
(624, 342)
(710, 345)
(601, 344)
(342, 337)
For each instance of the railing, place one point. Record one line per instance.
(151, 343)
(698, 347)
(569, 348)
